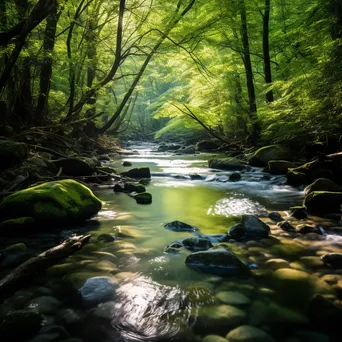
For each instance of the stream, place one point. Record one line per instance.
(155, 296)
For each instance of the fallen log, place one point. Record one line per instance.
(34, 266)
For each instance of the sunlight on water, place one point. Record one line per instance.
(106, 215)
(175, 184)
(236, 206)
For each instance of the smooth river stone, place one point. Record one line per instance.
(247, 333)
(214, 338)
(233, 298)
(45, 304)
(97, 290)
(219, 318)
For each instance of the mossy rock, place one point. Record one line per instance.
(323, 202)
(227, 164)
(247, 333)
(295, 178)
(250, 227)
(278, 167)
(12, 152)
(16, 225)
(65, 201)
(272, 152)
(143, 198)
(234, 177)
(130, 187)
(322, 184)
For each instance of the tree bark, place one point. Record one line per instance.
(46, 68)
(246, 57)
(30, 268)
(266, 51)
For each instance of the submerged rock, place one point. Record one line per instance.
(142, 172)
(179, 226)
(272, 152)
(52, 203)
(247, 333)
(219, 260)
(126, 163)
(250, 227)
(97, 290)
(195, 243)
(12, 152)
(219, 318)
(233, 298)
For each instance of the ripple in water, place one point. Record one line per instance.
(236, 206)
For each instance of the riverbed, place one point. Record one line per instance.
(157, 296)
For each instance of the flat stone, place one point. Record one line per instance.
(233, 298)
(247, 333)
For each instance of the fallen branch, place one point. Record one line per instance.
(32, 267)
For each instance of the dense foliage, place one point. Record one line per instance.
(238, 70)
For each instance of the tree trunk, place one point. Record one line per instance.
(246, 57)
(266, 51)
(46, 68)
(123, 103)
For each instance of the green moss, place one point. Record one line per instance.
(323, 202)
(272, 152)
(52, 202)
(18, 247)
(20, 223)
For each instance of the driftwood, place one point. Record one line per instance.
(34, 266)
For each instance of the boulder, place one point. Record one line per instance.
(143, 198)
(219, 260)
(323, 202)
(97, 290)
(250, 227)
(295, 178)
(45, 305)
(287, 226)
(179, 226)
(228, 164)
(197, 244)
(52, 203)
(20, 326)
(12, 152)
(278, 167)
(322, 184)
(126, 163)
(272, 152)
(333, 260)
(247, 333)
(233, 298)
(75, 166)
(308, 228)
(275, 216)
(142, 172)
(298, 212)
(207, 145)
(187, 150)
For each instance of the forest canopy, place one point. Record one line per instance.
(236, 70)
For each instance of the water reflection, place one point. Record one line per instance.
(236, 205)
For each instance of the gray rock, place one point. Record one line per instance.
(250, 227)
(97, 290)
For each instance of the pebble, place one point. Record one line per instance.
(233, 298)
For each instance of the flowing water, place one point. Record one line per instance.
(157, 297)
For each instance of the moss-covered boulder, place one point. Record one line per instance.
(232, 164)
(143, 198)
(129, 187)
(234, 177)
(322, 184)
(272, 152)
(246, 333)
(197, 244)
(207, 145)
(52, 203)
(218, 260)
(12, 152)
(295, 178)
(323, 202)
(278, 167)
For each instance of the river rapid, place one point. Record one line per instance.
(154, 296)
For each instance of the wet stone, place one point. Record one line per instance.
(246, 333)
(214, 338)
(44, 304)
(233, 298)
(97, 290)
(179, 226)
(287, 226)
(275, 216)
